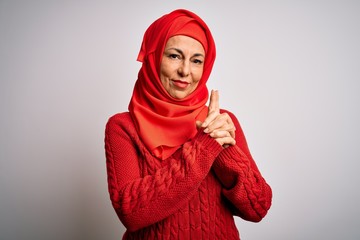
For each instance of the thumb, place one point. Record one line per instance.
(198, 124)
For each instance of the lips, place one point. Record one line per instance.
(180, 84)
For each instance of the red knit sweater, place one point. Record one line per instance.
(191, 195)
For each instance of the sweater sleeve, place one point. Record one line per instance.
(243, 185)
(141, 201)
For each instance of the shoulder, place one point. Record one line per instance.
(120, 120)
(120, 117)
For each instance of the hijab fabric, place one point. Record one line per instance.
(164, 123)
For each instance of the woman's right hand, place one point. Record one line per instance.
(219, 125)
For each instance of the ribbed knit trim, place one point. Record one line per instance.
(229, 153)
(208, 143)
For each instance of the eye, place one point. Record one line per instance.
(197, 61)
(174, 56)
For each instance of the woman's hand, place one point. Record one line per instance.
(218, 125)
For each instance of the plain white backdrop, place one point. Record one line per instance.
(289, 70)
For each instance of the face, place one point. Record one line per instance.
(182, 65)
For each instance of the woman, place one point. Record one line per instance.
(178, 169)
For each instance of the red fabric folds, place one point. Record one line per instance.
(163, 122)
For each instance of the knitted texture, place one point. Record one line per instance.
(193, 194)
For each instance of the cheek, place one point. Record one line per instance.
(163, 74)
(198, 74)
(165, 69)
(163, 79)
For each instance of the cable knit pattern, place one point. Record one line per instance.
(182, 197)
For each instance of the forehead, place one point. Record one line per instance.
(185, 43)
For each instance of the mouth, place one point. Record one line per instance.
(180, 84)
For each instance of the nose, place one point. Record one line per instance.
(184, 69)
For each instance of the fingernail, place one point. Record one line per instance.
(206, 130)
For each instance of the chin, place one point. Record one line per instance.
(179, 95)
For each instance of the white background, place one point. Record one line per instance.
(289, 70)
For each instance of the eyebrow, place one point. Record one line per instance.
(181, 52)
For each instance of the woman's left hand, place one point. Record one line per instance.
(219, 125)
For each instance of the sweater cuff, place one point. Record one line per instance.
(229, 153)
(208, 144)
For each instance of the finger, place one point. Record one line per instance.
(221, 122)
(209, 119)
(214, 101)
(217, 123)
(232, 127)
(223, 137)
(214, 109)
(232, 133)
(220, 134)
(226, 141)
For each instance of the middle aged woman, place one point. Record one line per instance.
(178, 169)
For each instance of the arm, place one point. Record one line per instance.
(141, 201)
(242, 182)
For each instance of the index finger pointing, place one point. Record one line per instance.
(214, 101)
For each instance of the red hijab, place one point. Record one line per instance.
(164, 123)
